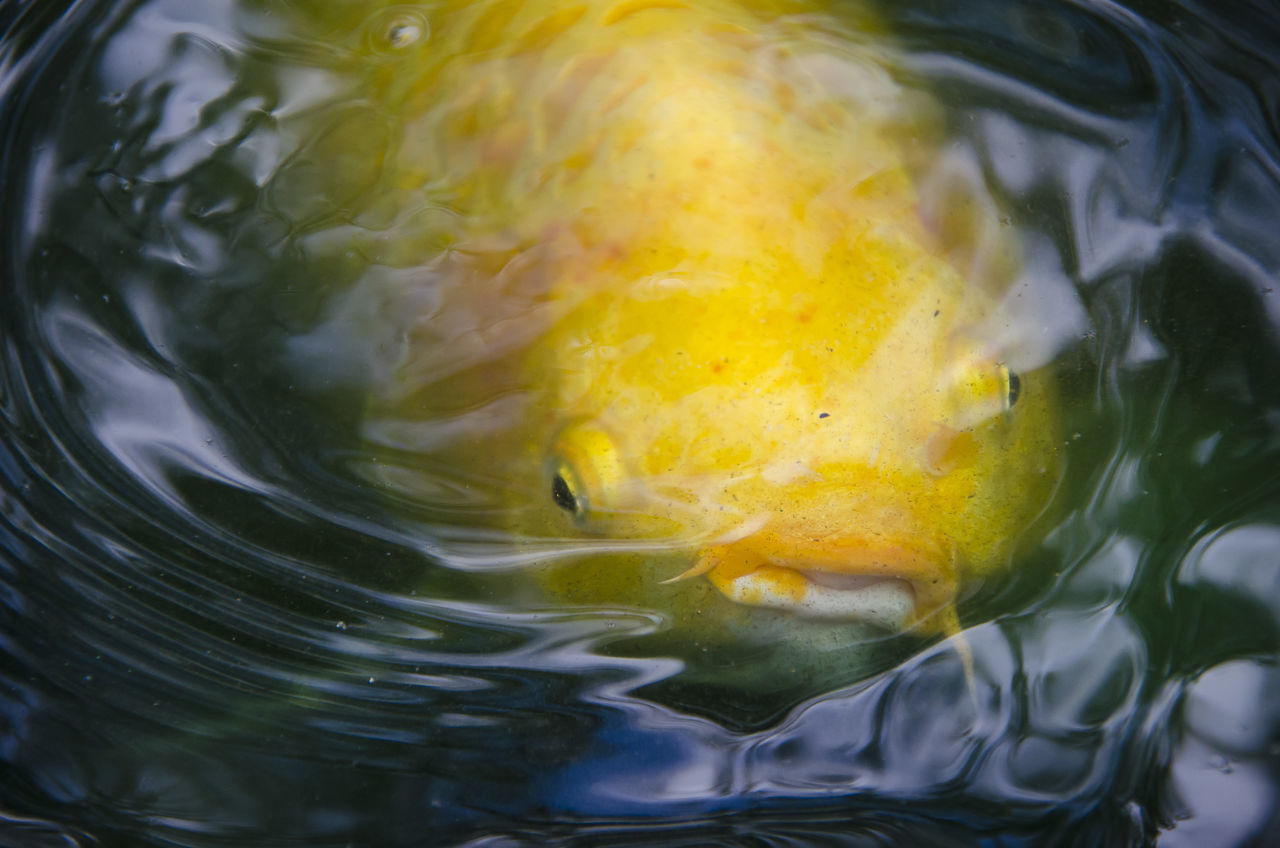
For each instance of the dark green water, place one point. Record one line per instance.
(214, 633)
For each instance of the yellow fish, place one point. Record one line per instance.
(676, 291)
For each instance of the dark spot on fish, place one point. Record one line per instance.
(824, 414)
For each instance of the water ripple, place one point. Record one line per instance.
(214, 632)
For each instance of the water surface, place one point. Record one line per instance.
(216, 632)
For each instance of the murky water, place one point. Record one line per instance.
(217, 631)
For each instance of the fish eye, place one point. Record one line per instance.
(566, 494)
(1010, 386)
(1013, 388)
(585, 472)
(979, 386)
(562, 494)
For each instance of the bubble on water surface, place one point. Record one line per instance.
(395, 30)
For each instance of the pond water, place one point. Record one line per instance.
(218, 628)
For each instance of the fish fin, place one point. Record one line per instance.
(703, 565)
(950, 627)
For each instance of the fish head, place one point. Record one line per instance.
(693, 298)
(839, 445)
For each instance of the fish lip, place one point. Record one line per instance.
(840, 581)
(884, 601)
(889, 584)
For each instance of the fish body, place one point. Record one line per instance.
(678, 294)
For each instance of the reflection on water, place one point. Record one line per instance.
(216, 632)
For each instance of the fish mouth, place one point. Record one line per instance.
(887, 602)
(893, 587)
